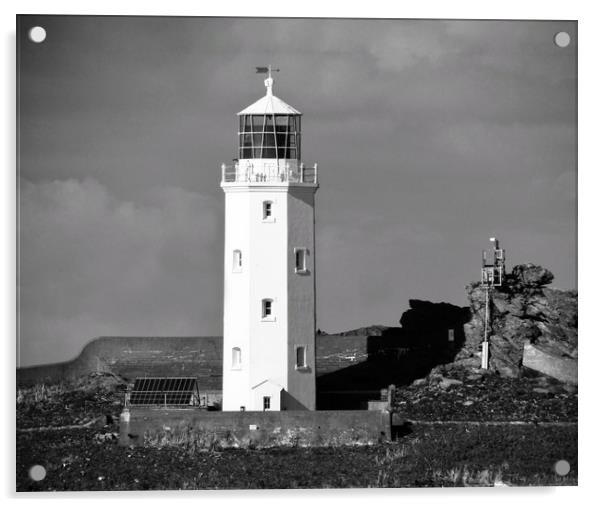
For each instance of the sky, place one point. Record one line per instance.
(430, 135)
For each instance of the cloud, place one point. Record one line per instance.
(431, 136)
(91, 264)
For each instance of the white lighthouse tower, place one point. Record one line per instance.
(269, 263)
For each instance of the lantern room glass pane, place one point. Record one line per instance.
(270, 136)
(281, 123)
(257, 122)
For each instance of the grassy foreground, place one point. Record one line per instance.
(79, 459)
(446, 454)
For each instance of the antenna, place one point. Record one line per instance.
(492, 275)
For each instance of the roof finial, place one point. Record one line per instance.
(269, 81)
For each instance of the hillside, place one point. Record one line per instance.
(129, 357)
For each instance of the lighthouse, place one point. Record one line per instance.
(269, 263)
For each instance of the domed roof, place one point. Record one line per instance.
(270, 104)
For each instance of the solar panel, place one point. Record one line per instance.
(165, 391)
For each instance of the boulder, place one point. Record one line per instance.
(529, 275)
(561, 368)
(446, 383)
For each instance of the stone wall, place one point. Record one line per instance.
(158, 427)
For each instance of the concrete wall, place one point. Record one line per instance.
(258, 429)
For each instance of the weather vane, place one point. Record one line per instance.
(269, 81)
(266, 70)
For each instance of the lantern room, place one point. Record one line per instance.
(269, 136)
(269, 145)
(269, 128)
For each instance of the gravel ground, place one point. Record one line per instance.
(452, 393)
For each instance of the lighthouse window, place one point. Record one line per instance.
(236, 358)
(301, 260)
(267, 309)
(267, 210)
(237, 261)
(301, 357)
(266, 402)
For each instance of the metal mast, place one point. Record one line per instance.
(492, 275)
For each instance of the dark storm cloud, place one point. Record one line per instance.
(431, 136)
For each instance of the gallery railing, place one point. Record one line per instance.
(266, 172)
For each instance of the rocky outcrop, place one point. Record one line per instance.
(522, 311)
(434, 323)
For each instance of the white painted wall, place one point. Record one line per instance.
(268, 248)
(301, 299)
(270, 389)
(268, 272)
(236, 302)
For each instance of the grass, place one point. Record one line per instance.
(76, 402)
(445, 456)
